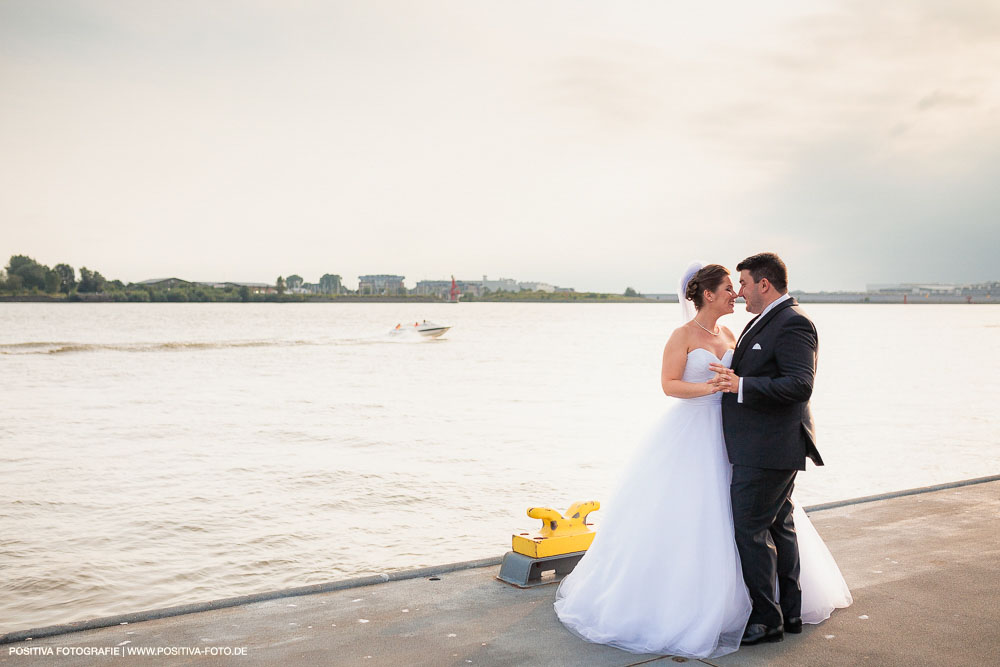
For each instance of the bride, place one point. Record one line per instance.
(663, 574)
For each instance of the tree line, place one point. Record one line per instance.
(24, 276)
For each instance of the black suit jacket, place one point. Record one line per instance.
(772, 427)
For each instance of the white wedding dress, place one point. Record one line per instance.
(663, 574)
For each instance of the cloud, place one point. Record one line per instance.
(939, 99)
(868, 218)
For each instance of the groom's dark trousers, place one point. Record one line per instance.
(768, 436)
(765, 538)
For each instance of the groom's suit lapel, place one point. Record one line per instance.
(745, 330)
(749, 335)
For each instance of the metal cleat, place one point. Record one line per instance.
(558, 546)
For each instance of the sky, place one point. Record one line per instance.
(593, 145)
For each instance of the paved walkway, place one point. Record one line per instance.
(924, 570)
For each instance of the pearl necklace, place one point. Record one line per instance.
(714, 333)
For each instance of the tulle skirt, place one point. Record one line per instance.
(823, 586)
(663, 574)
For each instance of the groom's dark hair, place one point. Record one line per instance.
(766, 265)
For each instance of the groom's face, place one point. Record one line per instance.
(750, 291)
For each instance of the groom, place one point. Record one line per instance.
(769, 433)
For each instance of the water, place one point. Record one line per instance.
(158, 454)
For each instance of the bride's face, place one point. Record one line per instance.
(724, 297)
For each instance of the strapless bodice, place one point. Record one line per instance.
(697, 370)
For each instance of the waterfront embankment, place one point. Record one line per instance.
(923, 565)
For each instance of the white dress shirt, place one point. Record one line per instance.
(784, 297)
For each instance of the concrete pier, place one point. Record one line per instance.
(924, 570)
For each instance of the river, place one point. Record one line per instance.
(157, 454)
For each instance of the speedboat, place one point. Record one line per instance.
(425, 328)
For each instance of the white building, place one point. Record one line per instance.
(502, 285)
(380, 284)
(442, 288)
(913, 288)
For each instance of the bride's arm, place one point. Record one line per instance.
(674, 360)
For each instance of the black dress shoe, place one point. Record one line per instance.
(793, 625)
(757, 633)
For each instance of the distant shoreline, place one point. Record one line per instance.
(801, 297)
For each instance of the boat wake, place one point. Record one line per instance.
(73, 347)
(66, 347)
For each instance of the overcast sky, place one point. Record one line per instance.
(594, 145)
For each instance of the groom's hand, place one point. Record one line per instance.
(726, 379)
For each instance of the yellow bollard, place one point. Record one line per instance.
(559, 535)
(556, 548)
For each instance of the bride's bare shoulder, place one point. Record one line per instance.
(680, 337)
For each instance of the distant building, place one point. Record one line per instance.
(667, 297)
(913, 288)
(311, 288)
(982, 290)
(330, 284)
(255, 288)
(170, 283)
(442, 288)
(536, 287)
(502, 285)
(166, 283)
(381, 284)
(439, 288)
(936, 292)
(470, 287)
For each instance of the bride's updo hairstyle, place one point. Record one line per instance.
(707, 278)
